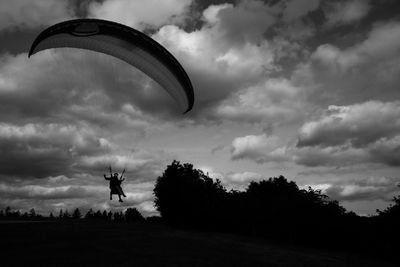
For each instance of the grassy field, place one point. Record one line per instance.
(108, 244)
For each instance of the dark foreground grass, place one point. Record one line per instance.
(108, 244)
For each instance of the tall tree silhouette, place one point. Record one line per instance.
(76, 214)
(186, 196)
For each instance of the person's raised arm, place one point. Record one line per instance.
(105, 177)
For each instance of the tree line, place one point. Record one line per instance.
(129, 215)
(275, 207)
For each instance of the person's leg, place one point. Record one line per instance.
(120, 200)
(121, 191)
(110, 195)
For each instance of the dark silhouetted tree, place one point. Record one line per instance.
(12, 214)
(98, 215)
(133, 215)
(8, 211)
(66, 215)
(393, 211)
(186, 196)
(104, 215)
(76, 214)
(89, 214)
(32, 213)
(61, 214)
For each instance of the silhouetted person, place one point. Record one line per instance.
(119, 182)
(115, 185)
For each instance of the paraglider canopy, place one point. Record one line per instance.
(125, 43)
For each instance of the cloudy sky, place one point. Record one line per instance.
(304, 88)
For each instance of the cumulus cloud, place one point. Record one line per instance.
(211, 13)
(370, 188)
(343, 136)
(381, 44)
(358, 124)
(140, 14)
(32, 14)
(40, 150)
(259, 148)
(366, 70)
(360, 133)
(384, 151)
(239, 180)
(245, 22)
(232, 180)
(216, 68)
(272, 102)
(242, 178)
(346, 12)
(227, 53)
(337, 156)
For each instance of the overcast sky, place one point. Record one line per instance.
(308, 89)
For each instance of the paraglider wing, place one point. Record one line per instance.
(125, 43)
